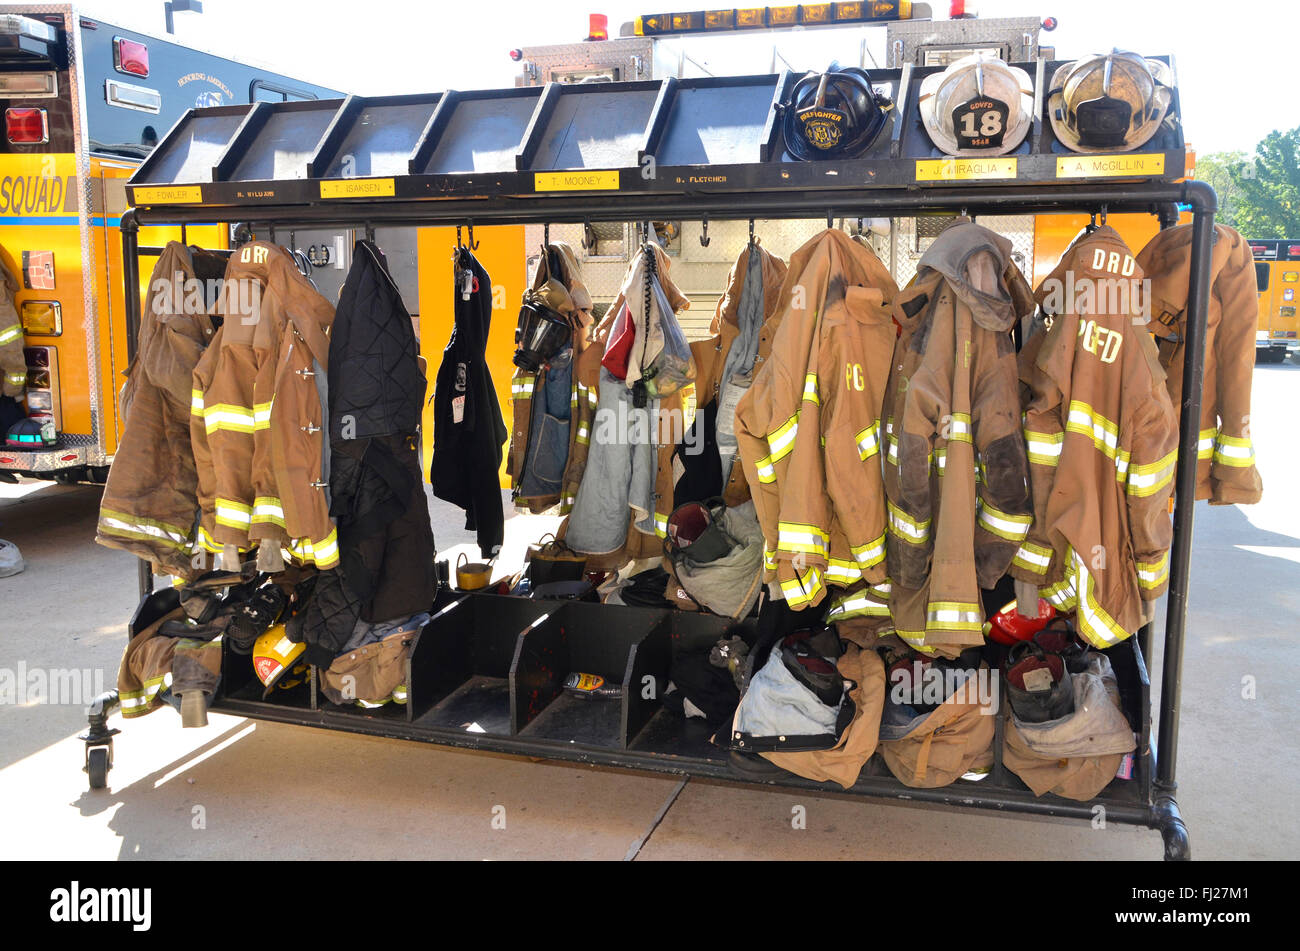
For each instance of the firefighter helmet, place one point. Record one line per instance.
(834, 115)
(977, 106)
(1009, 626)
(276, 659)
(30, 433)
(1111, 102)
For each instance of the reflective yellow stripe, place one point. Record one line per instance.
(803, 589)
(262, 416)
(119, 523)
(324, 554)
(229, 417)
(906, 527)
(916, 640)
(207, 542)
(1033, 557)
(1153, 574)
(584, 435)
(796, 537)
(1003, 524)
(1092, 620)
(842, 572)
(868, 441)
(661, 525)
(872, 602)
(1234, 451)
(1044, 448)
(953, 616)
(781, 440)
(769, 559)
(18, 377)
(522, 385)
(810, 389)
(267, 509)
(960, 428)
(1205, 446)
(233, 514)
(1103, 433)
(870, 554)
(1151, 477)
(10, 334)
(1060, 595)
(196, 402)
(766, 470)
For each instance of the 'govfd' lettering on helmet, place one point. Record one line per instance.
(1113, 261)
(1100, 342)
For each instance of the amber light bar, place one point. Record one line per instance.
(768, 18)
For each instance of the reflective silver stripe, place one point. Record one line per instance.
(835, 571)
(1032, 557)
(136, 528)
(869, 442)
(10, 334)
(1012, 527)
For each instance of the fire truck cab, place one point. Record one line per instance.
(1277, 276)
(84, 103)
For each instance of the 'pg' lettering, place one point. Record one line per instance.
(253, 253)
(1113, 262)
(853, 378)
(1100, 342)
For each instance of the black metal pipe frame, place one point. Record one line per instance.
(1162, 811)
(130, 227)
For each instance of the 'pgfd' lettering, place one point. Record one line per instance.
(1114, 262)
(1100, 342)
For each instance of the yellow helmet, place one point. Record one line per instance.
(274, 656)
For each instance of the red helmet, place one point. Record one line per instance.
(1009, 626)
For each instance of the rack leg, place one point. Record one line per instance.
(1172, 828)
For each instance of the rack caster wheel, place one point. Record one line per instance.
(99, 760)
(99, 739)
(1172, 830)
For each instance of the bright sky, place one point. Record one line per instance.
(1228, 67)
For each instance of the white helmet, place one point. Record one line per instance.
(977, 106)
(1112, 102)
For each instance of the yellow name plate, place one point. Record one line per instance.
(575, 181)
(171, 195)
(357, 188)
(1110, 166)
(960, 169)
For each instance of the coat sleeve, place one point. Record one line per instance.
(1233, 476)
(13, 365)
(1004, 509)
(1044, 432)
(1149, 484)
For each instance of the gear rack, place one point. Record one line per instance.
(485, 672)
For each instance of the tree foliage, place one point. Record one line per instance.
(1265, 189)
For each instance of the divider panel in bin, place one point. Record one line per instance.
(461, 663)
(621, 644)
(239, 682)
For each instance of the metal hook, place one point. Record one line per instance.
(473, 245)
(370, 232)
(830, 220)
(1103, 214)
(751, 232)
(459, 243)
(546, 234)
(704, 233)
(588, 236)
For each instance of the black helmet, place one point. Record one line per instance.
(833, 115)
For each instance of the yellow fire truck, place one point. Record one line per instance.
(84, 102)
(1277, 275)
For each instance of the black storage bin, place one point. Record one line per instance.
(626, 646)
(461, 664)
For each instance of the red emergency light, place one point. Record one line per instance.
(130, 57)
(27, 126)
(597, 26)
(1293, 251)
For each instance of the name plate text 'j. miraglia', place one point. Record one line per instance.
(959, 169)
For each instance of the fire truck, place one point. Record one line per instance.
(84, 103)
(1277, 276)
(874, 35)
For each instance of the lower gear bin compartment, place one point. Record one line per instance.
(627, 648)
(462, 664)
